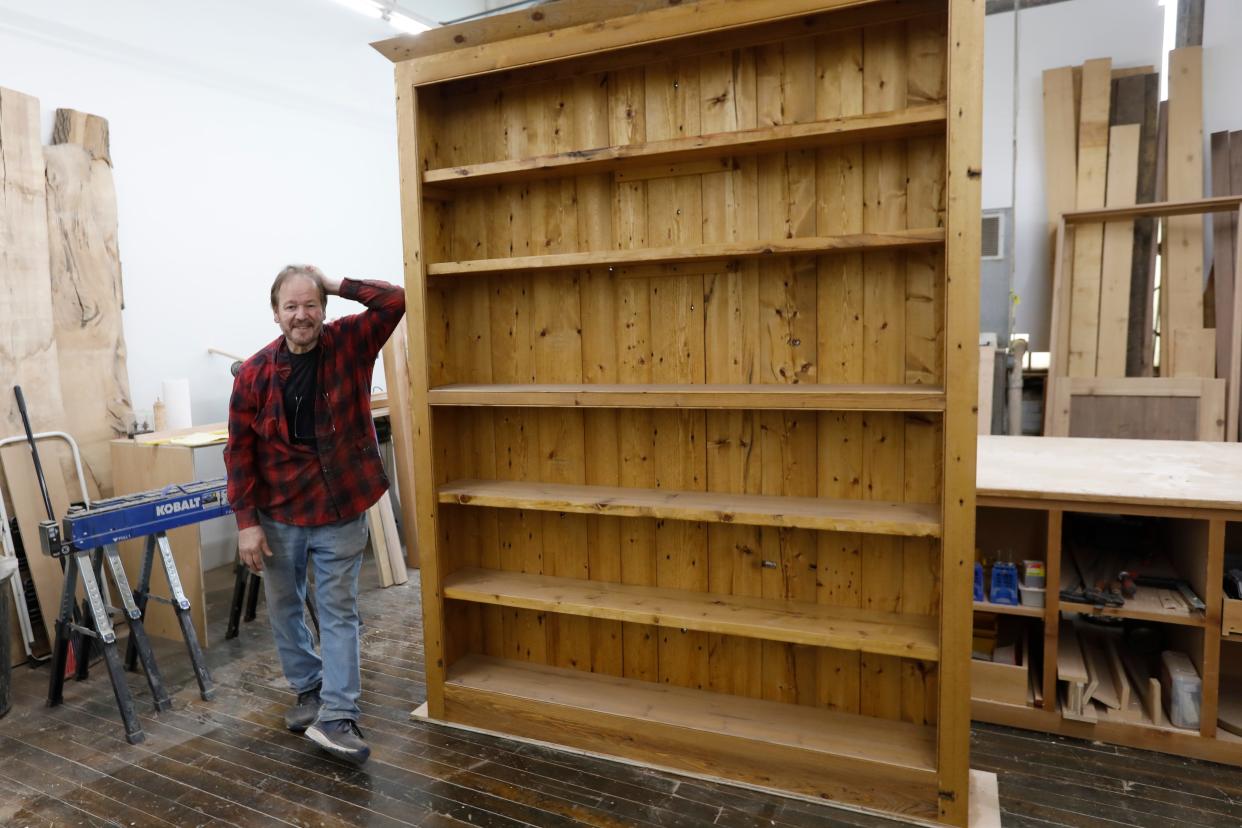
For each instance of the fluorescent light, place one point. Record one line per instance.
(406, 23)
(362, 7)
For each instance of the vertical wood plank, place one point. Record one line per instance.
(1061, 90)
(1052, 607)
(799, 553)
(884, 208)
(1084, 311)
(1060, 143)
(675, 217)
(732, 334)
(964, 173)
(924, 352)
(627, 124)
(1210, 703)
(1222, 251)
(1183, 272)
(1136, 101)
(839, 350)
(1234, 385)
(411, 166)
(1115, 269)
(556, 349)
(599, 360)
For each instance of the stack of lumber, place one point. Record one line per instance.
(386, 543)
(60, 299)
(397, 375)
(1226, 179)
(61, 272)
(1121, 366)
(1102, 681)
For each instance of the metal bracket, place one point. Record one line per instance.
(113, 557)
(94, 599)
(170, 569)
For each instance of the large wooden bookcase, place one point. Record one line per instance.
(693, 314)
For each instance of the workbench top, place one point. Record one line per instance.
(1145, 472)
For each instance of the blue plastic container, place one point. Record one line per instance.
(1004, 584)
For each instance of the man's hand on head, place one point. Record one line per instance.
(332, 286)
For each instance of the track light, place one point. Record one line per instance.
(387, 10)
(406, 23)
(366, 7)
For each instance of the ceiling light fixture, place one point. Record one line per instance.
(366, 7)
(406, 23)
(388, 11)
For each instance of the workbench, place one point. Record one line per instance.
(143, 464)
(1031, 492)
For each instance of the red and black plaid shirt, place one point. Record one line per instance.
(342, 475)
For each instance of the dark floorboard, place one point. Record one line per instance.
(231, 761)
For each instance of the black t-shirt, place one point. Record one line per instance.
(300, 391)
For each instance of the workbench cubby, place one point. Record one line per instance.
(1098, 547)
(693, 395)
(1180, 527)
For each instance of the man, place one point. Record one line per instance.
(303, 468)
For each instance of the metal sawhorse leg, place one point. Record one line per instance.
(79, 565)
(246, 586)
(180, 604)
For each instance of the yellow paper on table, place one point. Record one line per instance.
(201, 438)
(198, 438)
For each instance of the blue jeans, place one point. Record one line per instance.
(335, 552)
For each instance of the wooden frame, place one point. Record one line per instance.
(1058, 478)
(1149, 399)
(691, 393)
(1058, 368)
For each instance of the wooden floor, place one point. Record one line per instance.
(231, 762)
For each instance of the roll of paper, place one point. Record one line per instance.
(177, 403)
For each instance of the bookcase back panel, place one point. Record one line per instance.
(845, 318)
(886, 687)
(796, 76)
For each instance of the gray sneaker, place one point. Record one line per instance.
(341, 738)
(304, 711)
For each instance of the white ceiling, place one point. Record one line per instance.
(309, 53)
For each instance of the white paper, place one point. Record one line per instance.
(177, 403)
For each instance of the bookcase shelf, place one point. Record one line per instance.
(705, 396)
(879, 126)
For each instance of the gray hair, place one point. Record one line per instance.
(309, 271)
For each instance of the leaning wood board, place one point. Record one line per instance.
(28, 348)
(1093, 137)
(1115, 269)
(717, 195)
(1183, 300)
(1149, 408)
(86, 306)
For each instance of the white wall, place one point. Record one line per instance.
(1059, 34)
(245, 135)
(1222, 66)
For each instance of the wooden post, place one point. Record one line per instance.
(1052, 607)
(965, 172)
(409, 155)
